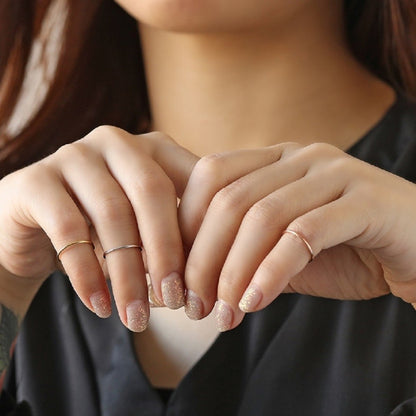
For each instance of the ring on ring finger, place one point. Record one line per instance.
(303, 239)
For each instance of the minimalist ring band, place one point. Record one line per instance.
(107, 252)
(304, 240)
(71, 244)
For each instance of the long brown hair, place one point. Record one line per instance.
(96, 80)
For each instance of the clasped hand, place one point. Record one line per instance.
(225, 241)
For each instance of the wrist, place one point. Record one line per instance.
(16, 292)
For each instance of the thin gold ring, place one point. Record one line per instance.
(302, 238)
(73, 243)
(121, 248)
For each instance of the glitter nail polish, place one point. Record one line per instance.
(224, 316)
(137, 316)
(193, 305)
(251, 298)
(101, 304)
(173, 291)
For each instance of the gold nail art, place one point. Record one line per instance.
(250, 299)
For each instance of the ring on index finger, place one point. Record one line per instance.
(71, 244)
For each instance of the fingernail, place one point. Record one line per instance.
(223, 315)
(154, 301)
(101, 304)
(137, 316)
(250, 300)
(193, 305)
(173, 291)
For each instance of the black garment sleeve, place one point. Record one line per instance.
(407, 408)
(9, 407)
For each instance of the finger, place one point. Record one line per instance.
(175, 160)
(214, 172)
(224, 215)
(112, 216)
(322, 228)
(53, 209)
(154, 201)
(261, 229)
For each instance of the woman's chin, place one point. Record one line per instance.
(205, 16)
(175, 15)
(214, 16)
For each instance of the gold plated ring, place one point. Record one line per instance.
(71, 244)
(303, 239)
(107, 252)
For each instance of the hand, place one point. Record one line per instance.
(358, 219)
(112, 188)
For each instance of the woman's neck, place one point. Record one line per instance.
(218, 92)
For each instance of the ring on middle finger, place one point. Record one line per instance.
(107, 252)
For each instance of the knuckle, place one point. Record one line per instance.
(340, 166)
(104, 131)
(73, 151)
(291, 145)
(154, 183)
(68, 225)
(208, 167)
(154, 143)
(28, 180)
(105, 135)
(288, 148)
(319, 149)
(165, 250)
(264, 212)
(158, 136)
(230, 197)
(112, 209)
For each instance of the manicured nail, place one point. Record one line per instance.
(137, 316)
(173, 291)
(193, 305)
(224, 316)
(101, 304)
(250, 300)
(154, 301)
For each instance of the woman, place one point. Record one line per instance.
(271, 106)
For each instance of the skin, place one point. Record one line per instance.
(367, 254)
(217, 16)
(240, 156)
(300, 84)
(52, 204)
